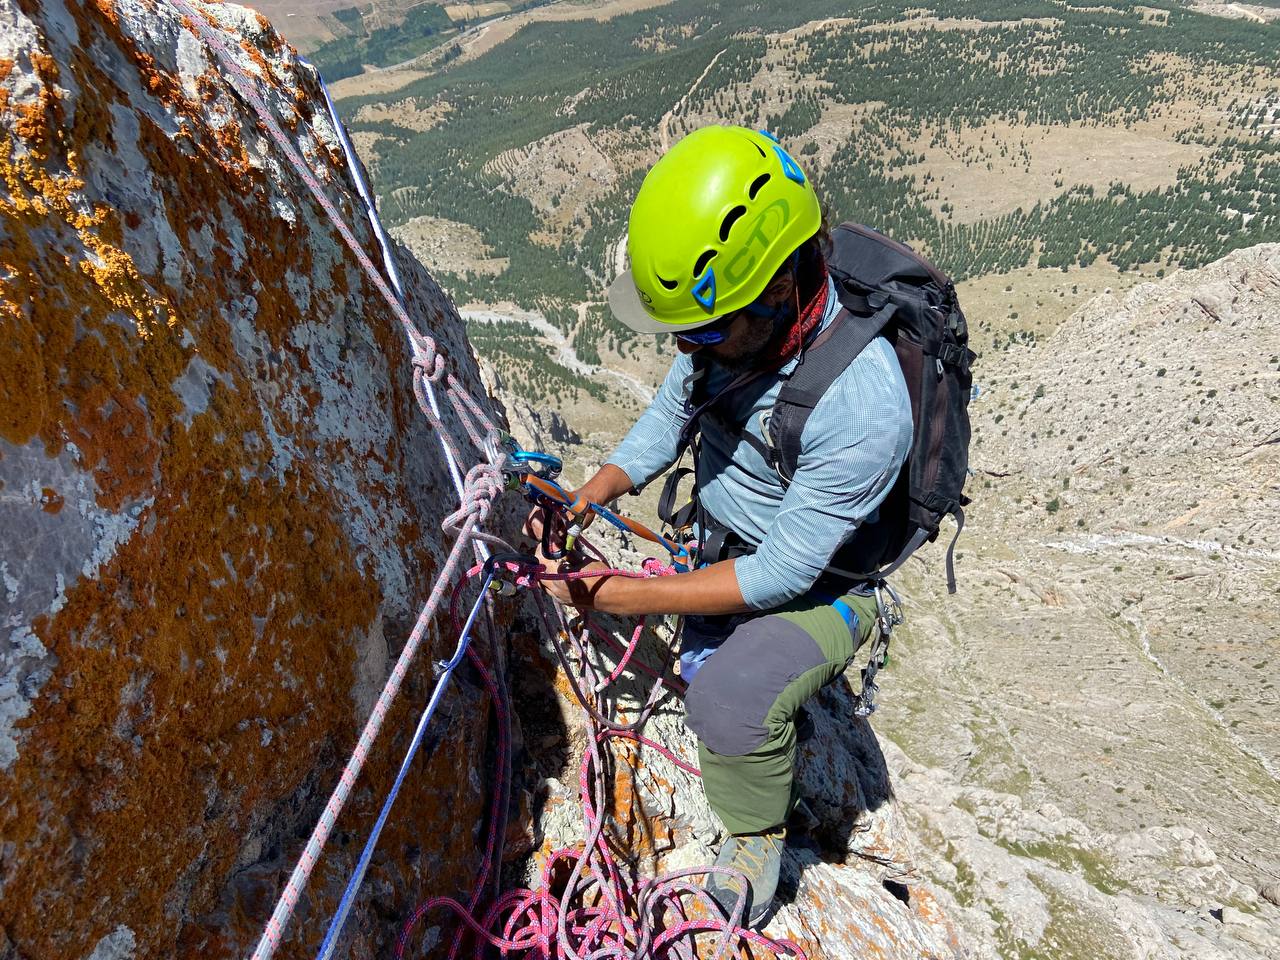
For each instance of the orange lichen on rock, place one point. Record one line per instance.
(124, 771)
(6, 68)
(106, 11)
(75, 279)
(259, 60)
(203, 674)
(925, 906)
(35, 121)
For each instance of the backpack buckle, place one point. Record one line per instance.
(951, 354)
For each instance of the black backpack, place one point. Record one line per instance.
(887, 289)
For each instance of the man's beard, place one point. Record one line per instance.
(759, 344)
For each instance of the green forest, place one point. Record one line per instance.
(1107, 65)
(521, 359)
(426, 26)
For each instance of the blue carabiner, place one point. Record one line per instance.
(544, 465)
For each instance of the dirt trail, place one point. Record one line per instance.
(1190, 690)
(664, 125)
(565, 355)
(480, 39)
(504, 28)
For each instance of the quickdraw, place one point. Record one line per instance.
(888, 615)
(534, 474)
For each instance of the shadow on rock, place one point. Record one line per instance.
(845, 811)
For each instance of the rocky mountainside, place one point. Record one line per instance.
(1091, 721)
(221, 511)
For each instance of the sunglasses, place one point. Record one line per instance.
(712, 333)
(718, 331)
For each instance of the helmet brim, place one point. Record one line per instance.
(625, 303)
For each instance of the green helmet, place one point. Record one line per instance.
(715, 218)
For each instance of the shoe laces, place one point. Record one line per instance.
(750, 857)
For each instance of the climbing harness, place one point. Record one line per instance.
(596, 913)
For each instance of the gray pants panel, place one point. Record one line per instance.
(733, 692)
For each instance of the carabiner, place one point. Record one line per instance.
(490, 567)
(543, 465)
(549, 517)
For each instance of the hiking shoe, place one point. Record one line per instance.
(758, 856)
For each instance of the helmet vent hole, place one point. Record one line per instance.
(702, 262)
(669, 284)
(757, 185)
(730, 219)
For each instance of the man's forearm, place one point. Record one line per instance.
(609, 483)
(710, 591)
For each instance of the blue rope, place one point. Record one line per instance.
(353, 885)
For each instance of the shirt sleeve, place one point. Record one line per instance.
(852, 447)
(652, 445)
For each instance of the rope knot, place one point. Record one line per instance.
(426, 356)
(483, 484)
(656, 568)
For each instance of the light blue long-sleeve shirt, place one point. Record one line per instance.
(851, 450)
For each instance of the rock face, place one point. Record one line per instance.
(532, 428)
(220, 504)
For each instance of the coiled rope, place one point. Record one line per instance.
(598, 913)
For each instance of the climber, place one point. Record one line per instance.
(727, 247)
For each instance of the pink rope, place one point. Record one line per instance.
(602, 911)
(603, 636)
(476, 493)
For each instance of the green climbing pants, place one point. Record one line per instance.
(743, 699)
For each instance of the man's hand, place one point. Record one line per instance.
(583, 593)
(709, 591)
(577, 593)
(609, 483)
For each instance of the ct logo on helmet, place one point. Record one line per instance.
(763, 230)
(644, 296)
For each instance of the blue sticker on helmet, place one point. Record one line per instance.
(704, 291)
(766, 133)
(789, 166)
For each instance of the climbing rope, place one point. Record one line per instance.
(445, 673)
(476, 489)
(598, 914)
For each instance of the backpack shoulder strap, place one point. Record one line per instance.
(819, 367)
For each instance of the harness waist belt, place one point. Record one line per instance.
(718, 542)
